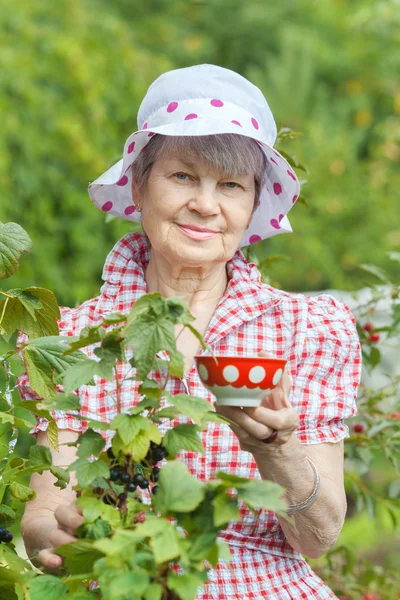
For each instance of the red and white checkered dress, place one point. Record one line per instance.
(318, 338)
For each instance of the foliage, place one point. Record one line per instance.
(124, 544)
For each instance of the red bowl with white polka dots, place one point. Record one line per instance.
(239, 380)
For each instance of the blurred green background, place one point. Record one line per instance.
(74, 72)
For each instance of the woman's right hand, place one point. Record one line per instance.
(56, 533)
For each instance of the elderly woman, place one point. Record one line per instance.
(202, 176)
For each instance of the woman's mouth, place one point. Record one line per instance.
(197, 233)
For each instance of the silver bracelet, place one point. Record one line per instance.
(311, 499)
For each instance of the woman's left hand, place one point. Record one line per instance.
(256, 424)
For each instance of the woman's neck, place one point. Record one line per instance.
(200, 285)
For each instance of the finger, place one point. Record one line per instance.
(68, 518)
(254, 426)
(58, 537)
(49, 559)
(285, 418)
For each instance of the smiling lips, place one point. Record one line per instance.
(198, 233)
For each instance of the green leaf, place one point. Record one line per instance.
(83, 373)
(111, 348)
(146, 305)
(263, 494)
(186, 585)
(43, 360)
(87, 471)
(13, 242)
(183, 437)
(225, 509)
(203, 544)
(7, 515)
(48, 587)
(153, 592)
(198, 336)
(80, 556)
(61, 475)
(32, 310)
(39, 455)
(97, 530)
(193, 407)
(231, 479)
(125, 584)
(93, 509)
(114, 318)
(178, 491)
(128, 426)
(120, 541)
(87, 337)
(165, 545)
(21, 492)
(151, 389)
(147, 337)
(52, 435)
(90, 443)
(64, 402)
(140, 445)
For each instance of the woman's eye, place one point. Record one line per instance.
(181, 176)
(231, 184)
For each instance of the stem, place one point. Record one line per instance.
(4, 310)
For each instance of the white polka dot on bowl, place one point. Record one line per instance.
(257, 374)
(231, 373)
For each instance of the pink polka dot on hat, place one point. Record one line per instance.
(205, 100)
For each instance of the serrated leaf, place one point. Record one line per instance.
(39, 455)
(65, 402)
(93, 509)
(7, 515)
(123, 585)
(225, 509)
(178, 491)
(140, 445)
(14, 240)
(147, 337)
(97, 530)
(52, 435)
(193, 407)
(90, 443)
(43, 361)
(186, 585)
(33, 311)
(263, 494)
(61, 475)
(87, 471)
(48, 587)
(128, 426)
(80, 556)
(83, 373)
(111, 349)
(21, 492)
(183, 437)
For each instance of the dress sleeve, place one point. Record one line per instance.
(327, 377)
(63, 420)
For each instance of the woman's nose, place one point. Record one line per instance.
(204, 201)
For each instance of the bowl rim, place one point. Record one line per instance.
(241, 357)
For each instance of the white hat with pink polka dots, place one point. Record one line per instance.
(205, 100)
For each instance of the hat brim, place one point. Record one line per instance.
(111, 192)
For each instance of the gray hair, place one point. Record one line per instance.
(231, 154)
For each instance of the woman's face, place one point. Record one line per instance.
(195, 217)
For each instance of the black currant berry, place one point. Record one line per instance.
(131, 487)
(122, 497)
(3, 530)
(155, 489)
(159, 453)
(7, 537)
(156, 470)
(144, 484)
(114, 474)
(110, 453)
(154, 477)
(98, 490)
(125, 477)
(137, 478)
